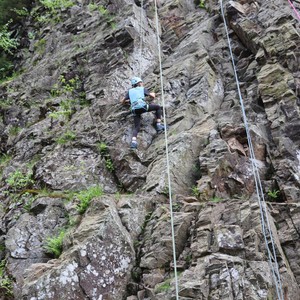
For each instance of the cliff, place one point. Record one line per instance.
(85, 217)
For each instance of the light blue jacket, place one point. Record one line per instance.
(137, 96)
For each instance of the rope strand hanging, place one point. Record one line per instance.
(266, 228)
(167, 150)
(141, 39)
(295, 10)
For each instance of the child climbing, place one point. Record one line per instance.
(136, 97)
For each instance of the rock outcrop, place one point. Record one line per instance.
(63, 132)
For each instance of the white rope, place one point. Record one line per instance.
(167, 150)
(266, 228)
(141, 39)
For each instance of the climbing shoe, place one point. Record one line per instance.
(160, 128)
(133, 145)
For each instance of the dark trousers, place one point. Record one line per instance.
(137, 116)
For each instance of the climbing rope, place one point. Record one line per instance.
(141, 39)
(295, 10)
(167, 150)
(266, 228)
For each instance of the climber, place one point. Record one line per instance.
(136, 97)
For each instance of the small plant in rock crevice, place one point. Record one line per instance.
(195, 191)
(104, 12)
(19, 180)
(4, 160)
(86, 196)
(216, 199)
(163, 287)
(65, 110)
(52, 13)
(104, 151)
(54, 245)
(109, 165)
(6, 284)
(66, 137)
(28, 199)
(273, 193)
(14, 130)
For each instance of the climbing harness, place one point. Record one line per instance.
(295, 10)
(167, 150)
(265, 223)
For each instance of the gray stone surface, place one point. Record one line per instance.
(74, 73)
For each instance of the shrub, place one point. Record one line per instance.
(7, 43)
(86, 196)
(6, 66)
(54, 5)
(13, 9)
(54, 245)
(18, 180)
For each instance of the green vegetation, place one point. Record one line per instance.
(195, 191)
(104, 12)
(18, 180)
(22, 12)
(14, 130)
(40, 46)
(86, 196)
(104, 151)
(273, 194)
(163, 287)
(176, 206)
(7, 43)
(109, 165)
(6, 67)
(202, 4)
(92, 6)
(4, 159)
(216, 199)
(65, 86)
(53, 9)
(7, 102)
(28, 199)
(66, 137)
(11, 13)
(68, 85)
(118, 196)
(102, 147)
(65, 110)
(13, 10)
(6, 286)
(68, 88)
(54, 245)
(54, 5)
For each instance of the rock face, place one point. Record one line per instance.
(63, 132)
